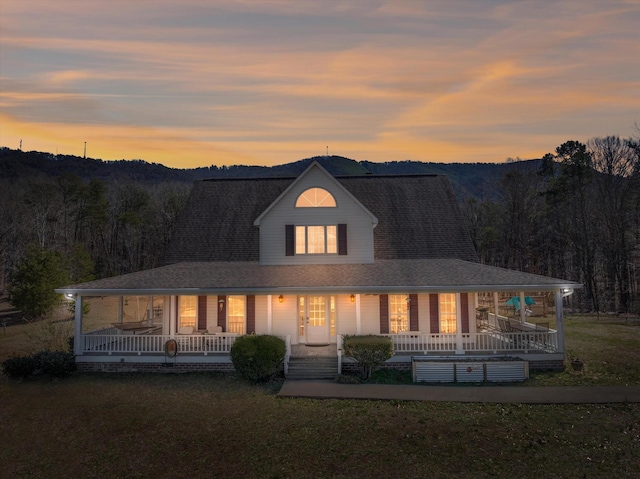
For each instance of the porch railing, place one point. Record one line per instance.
(493, 342)
(154, 343)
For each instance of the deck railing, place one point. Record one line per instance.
(155, 343)
(491, 341)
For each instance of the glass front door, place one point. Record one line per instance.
(313, 312)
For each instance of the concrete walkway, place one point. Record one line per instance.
(486, 394)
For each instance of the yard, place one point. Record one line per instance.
(204, 425)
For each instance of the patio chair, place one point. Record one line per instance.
(214, 330)
(185, 330)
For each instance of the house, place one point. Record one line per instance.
(310, 259)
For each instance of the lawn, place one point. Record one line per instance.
(207, 425)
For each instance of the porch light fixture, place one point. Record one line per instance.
(221, 304)
(280, 299)
(352, 298)
(70, 296)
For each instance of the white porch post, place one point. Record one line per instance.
(523, 308)
(459, 348)
(120, 308)
(559, 322)
(150, 310)
(172, 315)
(78, 341)
(269, 313)
(358, 316)
(496, 307)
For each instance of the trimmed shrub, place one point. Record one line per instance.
(258, 357)
(57, 364)
(20, 367)
(369, 351)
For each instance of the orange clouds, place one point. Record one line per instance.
(195, 83)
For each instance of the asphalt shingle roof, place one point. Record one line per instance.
(406, 275)
(418, 217)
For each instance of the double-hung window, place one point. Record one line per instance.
(448, 313)
(398, 313)
(188, 311)
(236, 314)
(317, 239)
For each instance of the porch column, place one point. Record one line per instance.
(459, 348)
(523, 308)
(559, 321)
(120, 308)
(269, 313)
(496, 307)
(150, 310)
(78, 341)
(173, 317)
(358, 317)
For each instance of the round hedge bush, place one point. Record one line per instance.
(258, 357)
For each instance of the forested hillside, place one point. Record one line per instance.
(574, 214)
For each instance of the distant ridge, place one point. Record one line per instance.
(477, 180)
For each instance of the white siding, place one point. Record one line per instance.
(370, 314)
(345, 315)
(285, 317)
(212, 312)
(359, 224)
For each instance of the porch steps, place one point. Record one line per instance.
(313, 367)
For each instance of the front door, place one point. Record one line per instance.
(313, 313)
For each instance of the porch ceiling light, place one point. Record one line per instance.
(280, 299)
(352, 298)
(567, 292)
(70, 296)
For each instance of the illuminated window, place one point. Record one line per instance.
(188, 310)
(302, 314)
(398, 313)
(236, 314)
(316, 239)
(316, 198)
(332, 316)
(448, 313)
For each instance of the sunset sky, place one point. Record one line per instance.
(194, 83)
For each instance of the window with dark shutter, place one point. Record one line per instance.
(251, 314)
(222, 312)
(413, 313)
(202, 312)
(342, 239)
(289, 240)
(384, 314)
(464, 313)
(434, 314)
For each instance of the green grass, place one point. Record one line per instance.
(206, 425)
(610, 349)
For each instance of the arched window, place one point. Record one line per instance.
(316, 198)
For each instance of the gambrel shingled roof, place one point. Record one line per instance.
(418, 217)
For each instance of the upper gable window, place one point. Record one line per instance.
(316, 198)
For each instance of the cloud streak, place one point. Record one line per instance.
(195, 83)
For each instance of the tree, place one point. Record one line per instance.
(616, 163)
(31, 289)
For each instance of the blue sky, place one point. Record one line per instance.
(193, 83)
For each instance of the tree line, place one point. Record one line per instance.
(575, 215)
(577, 218)
(69, 230)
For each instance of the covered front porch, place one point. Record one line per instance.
(136, 329)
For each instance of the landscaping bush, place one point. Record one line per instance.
(369, 351)
(258, 357)
(57, 364)
(20, 367)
